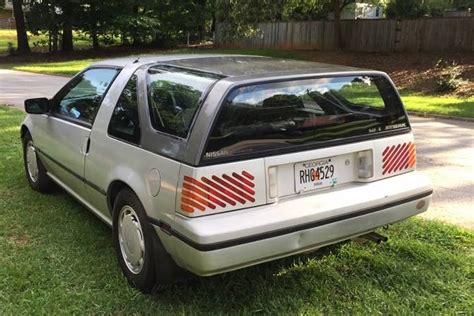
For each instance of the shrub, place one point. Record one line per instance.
(450, 78)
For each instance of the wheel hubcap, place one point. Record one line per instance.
(31, 162)
(132, 243)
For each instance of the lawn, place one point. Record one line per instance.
(435, 104)
(38, 41)
(56, 257)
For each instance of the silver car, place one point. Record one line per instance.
(211, 163)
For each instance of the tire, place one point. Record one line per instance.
(158, 269)
(34, 168)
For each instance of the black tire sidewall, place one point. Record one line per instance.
(145, 280)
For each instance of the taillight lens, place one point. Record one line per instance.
(217, 192)
(397, 158)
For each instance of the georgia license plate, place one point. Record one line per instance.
(315, 174)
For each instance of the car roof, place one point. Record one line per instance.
(232, 65)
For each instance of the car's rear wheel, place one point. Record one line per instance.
(141, 256)
(133, 241)
(34, 169)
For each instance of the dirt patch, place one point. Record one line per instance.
(19, 241)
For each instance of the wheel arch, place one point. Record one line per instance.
(113, 190)
(23, 130)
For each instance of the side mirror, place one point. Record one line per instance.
(37, 106)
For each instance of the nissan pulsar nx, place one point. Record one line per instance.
(211, 163)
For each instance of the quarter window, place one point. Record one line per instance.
(174, 95)
(125, 123)
(81, 99)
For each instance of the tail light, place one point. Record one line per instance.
(398, 157)
(214, 192)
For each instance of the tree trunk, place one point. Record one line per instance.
(94, 31)
(50, 48)
(336, 5)
(136, 40)
(67, 18)
(22, 38)
(55, 40)
(68, 45)
(95, 39)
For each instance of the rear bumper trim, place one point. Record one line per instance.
(279, 232)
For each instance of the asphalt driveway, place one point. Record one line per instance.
(445, 147)
(16, 86)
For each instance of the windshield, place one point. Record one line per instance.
(273, 116)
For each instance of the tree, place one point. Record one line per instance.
(67, 8)
(463, 4)
(419, 8)
(21, 36)
(337, 7)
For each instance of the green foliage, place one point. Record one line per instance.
(437, 7)
(240, 17)
(451, 77)
(463, 4)
(135, 21)
(417, 8)
(405, 9)
(304, 10)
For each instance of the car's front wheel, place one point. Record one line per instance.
(34, 169)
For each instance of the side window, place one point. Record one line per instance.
(124, 123)
(173, 97)
(85, 93)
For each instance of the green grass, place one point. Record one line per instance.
(444, 105)
(68, 68)
(6, 36)
(56, 257)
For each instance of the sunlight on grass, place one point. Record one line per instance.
(57, 68)
(445, 105)
(6, 36)
(57, 258)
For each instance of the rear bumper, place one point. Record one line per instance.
(229, 241)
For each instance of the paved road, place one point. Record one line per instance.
(16, 86)
(445, 151)
(445, 147)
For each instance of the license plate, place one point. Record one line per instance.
(315, 174)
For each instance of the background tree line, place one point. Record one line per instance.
(166, 22)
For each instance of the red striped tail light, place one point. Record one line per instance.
(216, 193)
(398, 158)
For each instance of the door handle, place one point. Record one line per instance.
(85, 146)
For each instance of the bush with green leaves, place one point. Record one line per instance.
(450, 78)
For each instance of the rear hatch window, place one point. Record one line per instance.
(273, 118)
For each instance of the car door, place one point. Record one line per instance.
(65, 134)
